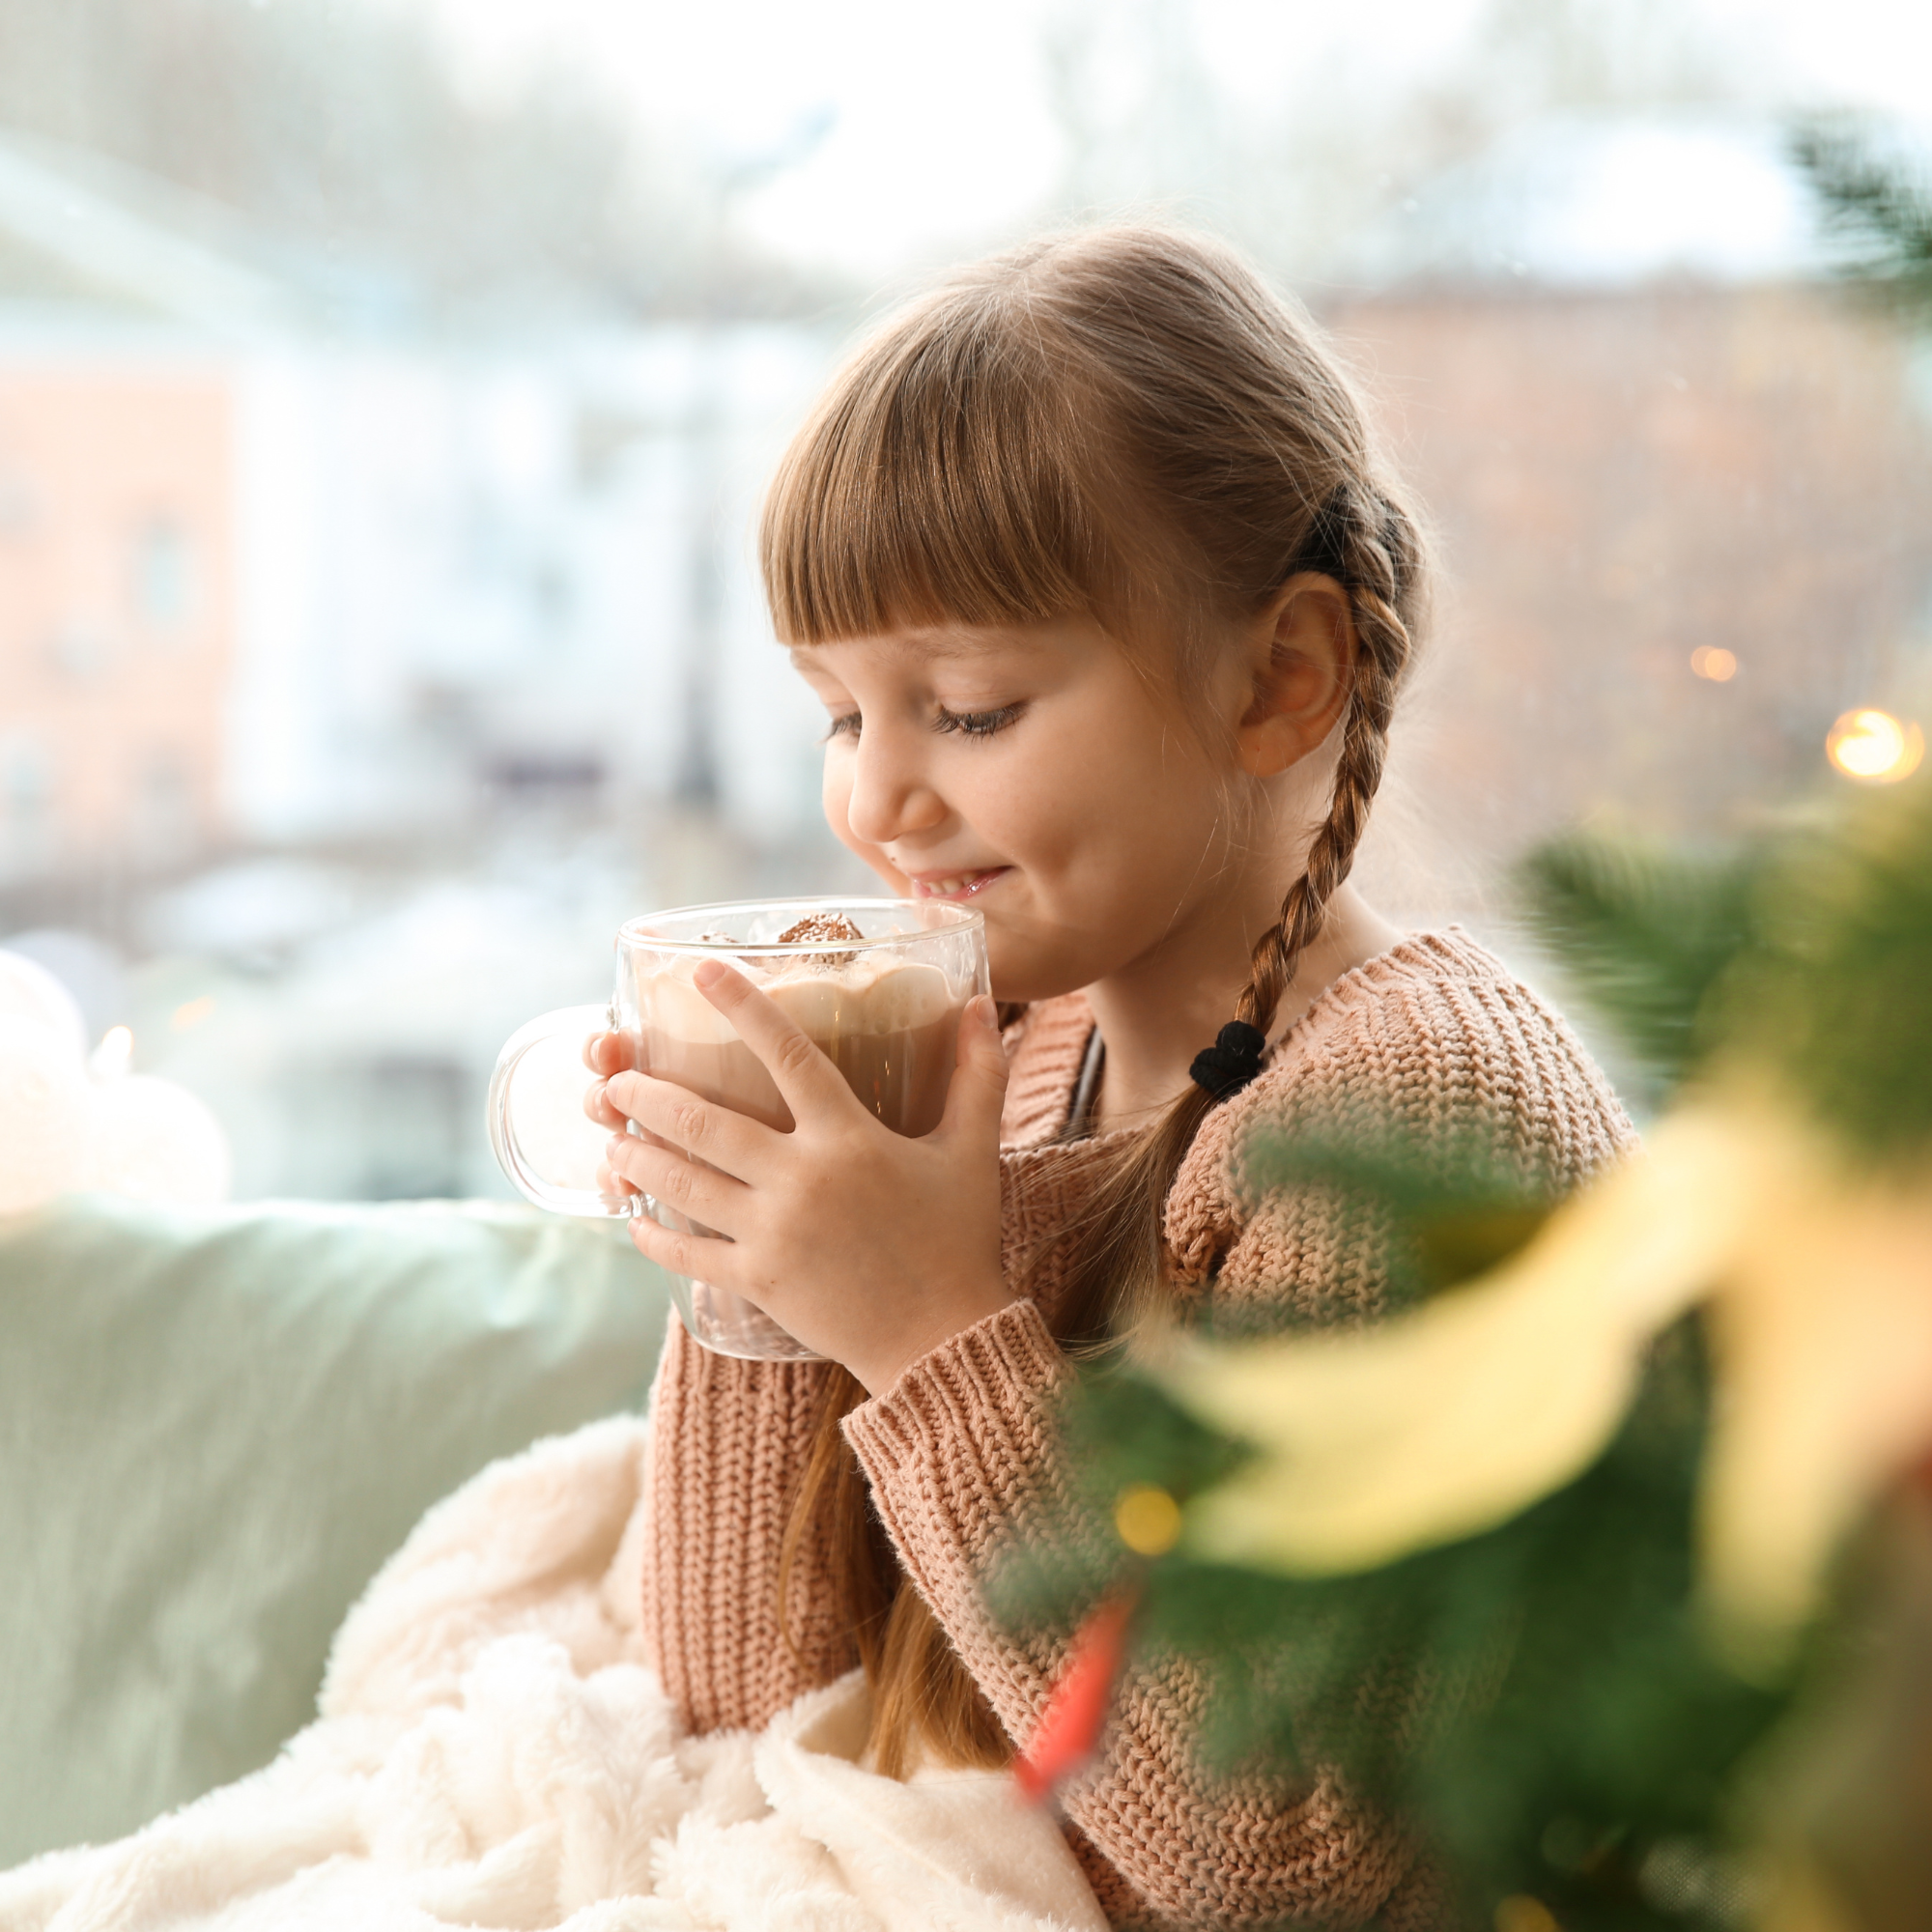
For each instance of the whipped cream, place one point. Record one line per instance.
(865, 992)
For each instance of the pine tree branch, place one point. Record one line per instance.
(1874, 200)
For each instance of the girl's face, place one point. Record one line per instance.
(1033, 773)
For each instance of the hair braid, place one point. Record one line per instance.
(1370, 554)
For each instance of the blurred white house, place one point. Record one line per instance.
(266, 578)
(286, 586)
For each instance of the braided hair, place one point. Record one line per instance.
(1373, 553)
(1125, 423)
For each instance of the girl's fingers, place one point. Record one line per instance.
(806, 1079)
(701, 1257)
(675, 1117)
(612, 1185)
(686, 1187)
(606, 1053)
(977, 1096)
(597, 1104)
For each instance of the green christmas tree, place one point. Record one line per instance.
(1546, 1561)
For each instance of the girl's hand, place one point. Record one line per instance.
(605, 1054)
(869, 1247)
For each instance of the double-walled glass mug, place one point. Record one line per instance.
(879, 984)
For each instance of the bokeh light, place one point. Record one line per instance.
(1147, 1520)
(1713, 661)
(1875, 747)
(115, 1054)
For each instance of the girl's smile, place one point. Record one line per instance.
(954, 885)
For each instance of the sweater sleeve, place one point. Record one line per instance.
(959, 1452)
(728, 1441)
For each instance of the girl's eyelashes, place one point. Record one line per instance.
(977, 723)
(971, 724)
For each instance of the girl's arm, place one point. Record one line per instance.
(729, 1439)
(959, 1454)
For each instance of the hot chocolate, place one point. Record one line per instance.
(879, 985)
(890, 1025)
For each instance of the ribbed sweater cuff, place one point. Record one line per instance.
(962, 1434)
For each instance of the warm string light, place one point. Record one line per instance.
(1874, 747)
(1714, 663)
(1522, 1913)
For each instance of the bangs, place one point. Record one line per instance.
(947, 477)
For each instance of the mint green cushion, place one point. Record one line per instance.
(215, 1425)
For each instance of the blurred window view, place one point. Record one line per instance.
(387, 388)
(163, 580)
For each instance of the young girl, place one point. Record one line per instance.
(1095, 563)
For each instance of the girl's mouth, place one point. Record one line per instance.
(955, 885)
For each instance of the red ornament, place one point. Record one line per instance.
(1069, 1728)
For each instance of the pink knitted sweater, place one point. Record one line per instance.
(1434, 1035)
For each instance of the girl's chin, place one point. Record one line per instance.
(1023, 976)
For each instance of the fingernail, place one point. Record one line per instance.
(707, 973)
(616, 1145)
(984, 1012)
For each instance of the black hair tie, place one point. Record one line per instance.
(1232, 1062)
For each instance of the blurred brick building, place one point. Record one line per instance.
(1621, 479)
(116, 607)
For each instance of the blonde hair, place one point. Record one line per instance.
(1123, 423)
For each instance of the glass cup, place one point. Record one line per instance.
(879, 984)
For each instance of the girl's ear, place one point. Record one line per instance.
(1300, 661)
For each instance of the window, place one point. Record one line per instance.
(164, 577)
(26, 797)
(413, 1112)
(79, 650)
(163, 805)
(18, 502)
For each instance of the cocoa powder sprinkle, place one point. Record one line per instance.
(824, 927)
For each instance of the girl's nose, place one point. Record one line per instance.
(891, 796)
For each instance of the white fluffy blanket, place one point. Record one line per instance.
(492, 1752)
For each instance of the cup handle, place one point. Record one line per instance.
(582, 1201)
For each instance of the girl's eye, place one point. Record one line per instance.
(847, 726)
(977, 723)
